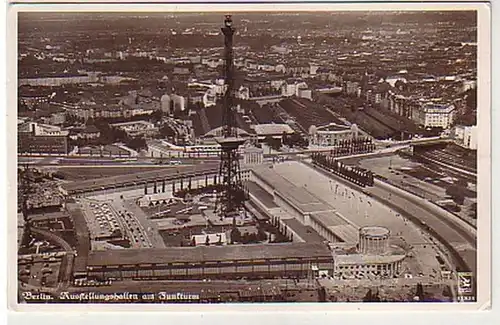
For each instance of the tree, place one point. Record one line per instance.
(473, 211)
(420, 291)
(90, 121)
(261, 235)
(368, 297)
(136, 143)
(456, 193)
(235, 235)
(284, 136)
(167, 131)
(157, 115)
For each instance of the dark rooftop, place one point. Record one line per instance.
(261, 194)
(208, 254)
(82, 237)
(308, 234)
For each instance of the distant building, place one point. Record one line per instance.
(32, 101)
(436, 115)
(218, 132)
(352, 88)
(466, 136)
(313, 69)
(154, 198)
(295, 88)
(137, 128)
(166, 104)
(404, 106)
(243, 93)
(90, 132)
(178, 103)
(34, 138)
(332, 134)
(164, 149)
(299, 69)
(276, 83)
(212, 62)
(304, 93)
(59, 80)
(272, 130)
(468, 84)
(360, 266)
(58, 118)
(280, 68)
(253, 155)
(181, 70)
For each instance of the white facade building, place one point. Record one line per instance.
(332, 134)
(166, 103)
(299, 89)
(466, 136)
(436, 115)
(136, 128)
(253, 156)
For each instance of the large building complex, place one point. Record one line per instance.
(224, 262)
(332, 134)
(34, 138)
(436, 115)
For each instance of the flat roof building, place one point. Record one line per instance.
(297, 260)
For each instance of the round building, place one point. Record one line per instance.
(374, 240)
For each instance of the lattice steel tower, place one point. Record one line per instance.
(232, 195)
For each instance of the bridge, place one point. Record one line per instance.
(418, 141)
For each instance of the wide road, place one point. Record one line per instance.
(107, 162)
(137, 179)
(66, 268)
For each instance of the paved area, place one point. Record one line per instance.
(145, 229)
(390, 167)
(361, 209)
(135, 219)
(457, 233)
(401, 172)
(400, 289)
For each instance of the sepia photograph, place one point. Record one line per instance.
(328, 156)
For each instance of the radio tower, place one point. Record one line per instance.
(232, 195)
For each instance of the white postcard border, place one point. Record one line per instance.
(484, 160)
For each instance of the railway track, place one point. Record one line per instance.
(452, 160)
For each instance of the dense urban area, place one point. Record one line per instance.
(355, 157)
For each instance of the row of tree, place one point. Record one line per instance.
(295, 140)
(247, 238)
(353, 146)
(352, 150)
(354, 174)
(375, 296)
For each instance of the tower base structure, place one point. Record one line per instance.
(233, 194)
